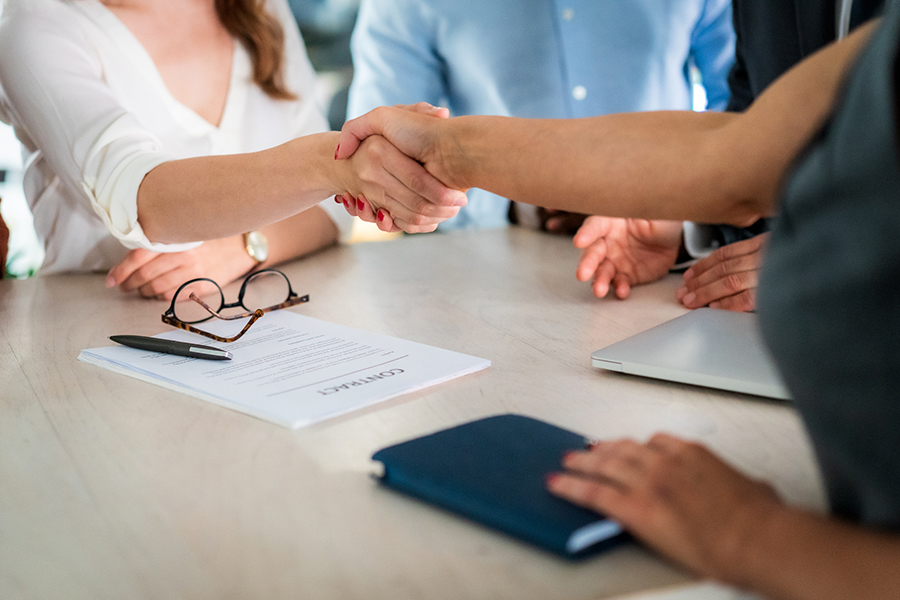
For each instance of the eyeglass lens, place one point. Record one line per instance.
(265, 289)
(260, 290)
(188, 310)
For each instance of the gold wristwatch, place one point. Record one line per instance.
(257, 246)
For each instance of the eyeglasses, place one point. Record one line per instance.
(261, 292)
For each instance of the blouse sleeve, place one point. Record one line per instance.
(55, 94)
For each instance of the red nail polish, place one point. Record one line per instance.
(551, 478)
(336, 150)
(359, 204)
(337, 199)
(380, 215)
(346, 204)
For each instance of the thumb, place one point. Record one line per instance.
(356, 130)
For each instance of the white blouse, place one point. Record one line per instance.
(94, 117)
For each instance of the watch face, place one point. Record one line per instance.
(257, 246)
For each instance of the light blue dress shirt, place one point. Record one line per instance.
(540, 59)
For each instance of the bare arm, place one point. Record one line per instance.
(215, 197)
(801, 556)
(708, 167)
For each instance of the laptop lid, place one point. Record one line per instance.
(707, 347)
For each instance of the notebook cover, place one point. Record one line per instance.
(492, 471)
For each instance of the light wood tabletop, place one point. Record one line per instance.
(115, 488)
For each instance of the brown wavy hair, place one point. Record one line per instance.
(262, 36)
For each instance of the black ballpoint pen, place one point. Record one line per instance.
(171, 347)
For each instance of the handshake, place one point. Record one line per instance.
(429, 193)
(620, 166)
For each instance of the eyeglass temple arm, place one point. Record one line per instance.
(174, 322)
(258, 312)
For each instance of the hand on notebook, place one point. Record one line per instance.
(727, 278)
(674, 495)
(620, 253)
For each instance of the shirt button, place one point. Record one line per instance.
(579, 92)
(568, 14)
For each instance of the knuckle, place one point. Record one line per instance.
(725, 252)
(628, 447)
(720, 270)
(660, 439)
(422, 206)
(693, 451)
(733, 283)
(658, 474)
(379, 112)
(419, 220)
(595, 495)
(677, 448)
(417, 182)
(746, 300)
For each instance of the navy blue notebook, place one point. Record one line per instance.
(492, 471)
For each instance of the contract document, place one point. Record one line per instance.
(292, 370)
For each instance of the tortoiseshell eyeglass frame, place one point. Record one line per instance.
(169, 317)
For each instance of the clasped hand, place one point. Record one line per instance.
(415, 136)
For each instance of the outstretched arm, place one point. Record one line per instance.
(213, 197)
(707, 167)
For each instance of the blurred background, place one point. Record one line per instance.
(326, 26)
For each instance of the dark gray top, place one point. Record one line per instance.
(829, 297)
(772, 37)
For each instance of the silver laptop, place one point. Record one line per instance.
(708, 347)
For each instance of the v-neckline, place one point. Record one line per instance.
(187, 117)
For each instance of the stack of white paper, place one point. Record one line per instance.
(293, 370)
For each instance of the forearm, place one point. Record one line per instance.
(796, 555)
(218, 196)
(654, 165)
(706, 167)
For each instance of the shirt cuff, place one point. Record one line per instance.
(700, 239)
(115, 202)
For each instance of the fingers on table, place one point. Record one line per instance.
(622, 284)
(725, 279)
(603, 277)
(133, 261)
(724, 286)
(153, 279)
(609, 276)
(591, 258)
(164, 286)
(602, 478)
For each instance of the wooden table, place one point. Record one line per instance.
(115, 488)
